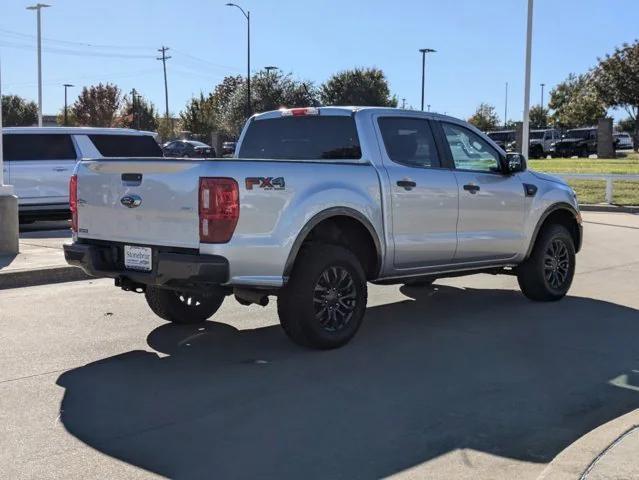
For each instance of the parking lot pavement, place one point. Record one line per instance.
(464, 380)
(41, 259)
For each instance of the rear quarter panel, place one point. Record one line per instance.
(272, 218)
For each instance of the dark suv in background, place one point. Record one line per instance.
(188, 148)
(579, 141)
(506, 139)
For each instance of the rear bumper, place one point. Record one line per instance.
(169, 268)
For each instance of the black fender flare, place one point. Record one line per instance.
(553, 208)
(324, 215)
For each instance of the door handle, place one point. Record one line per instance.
(472, 188)
(407, 184)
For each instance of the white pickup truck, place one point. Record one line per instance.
(318, 202)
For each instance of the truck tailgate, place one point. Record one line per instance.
(149, 202)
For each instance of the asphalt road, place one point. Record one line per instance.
(465, 380)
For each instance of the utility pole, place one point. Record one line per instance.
(542, 94)
(38, 7)
(506, 107)
(66, 86)
(164, 58)
(424, 52)
(428, 107)
(526, 133)
(403, 103)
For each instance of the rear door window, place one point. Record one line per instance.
(409, 141)
(126, 145)
(28, 146)
(314, 137)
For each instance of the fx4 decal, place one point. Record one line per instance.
(267, 183)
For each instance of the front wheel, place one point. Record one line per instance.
(323, 304)
(547, 274)
(182, 307)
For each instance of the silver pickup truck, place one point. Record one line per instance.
(316, 203)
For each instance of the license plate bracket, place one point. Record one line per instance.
(138, 258)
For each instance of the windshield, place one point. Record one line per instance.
(537, 135)
(302, 138)
(195, 143)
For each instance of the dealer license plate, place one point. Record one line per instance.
(138, 258)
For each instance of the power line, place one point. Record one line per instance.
(164, 58)
(70, 42)
(79, 53)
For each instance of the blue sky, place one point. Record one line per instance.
(480, 45)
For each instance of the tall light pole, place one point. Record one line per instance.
(66, 86)
(424, 52)
(542, 94)
(38, 7)
(506, 107)
(526, 133)
(246, 14)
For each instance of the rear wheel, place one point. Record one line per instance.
(547, 274)
(323, 304)
(182, 307)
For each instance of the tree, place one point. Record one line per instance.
(616, 80)
(539, 117)
(360, 86)
(137, 112)
(576, 102)
(626, 125)
(167, 129)
(18, 112)
(97, 105)
(269, 91)
(485, 118)
(199, 116)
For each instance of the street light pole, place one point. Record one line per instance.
(247, 15)
(38, 7)
(526, 133)
(506, 107)
(542, 94)
(66, 85)
(424, 52)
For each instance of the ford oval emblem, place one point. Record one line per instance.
(131, 201)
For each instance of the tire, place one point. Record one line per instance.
(323, 304)
(547, 274)
(536, 152)
(583, 152)
(179, 307)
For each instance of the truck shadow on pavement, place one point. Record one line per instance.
(447, 369)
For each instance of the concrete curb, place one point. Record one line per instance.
(42, 276)
(574, 462)
(608, 208)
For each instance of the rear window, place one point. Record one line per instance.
(126, 145)
(303, 138)
(38, 147)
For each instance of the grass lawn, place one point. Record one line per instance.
(594, 191)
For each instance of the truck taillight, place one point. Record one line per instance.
(73, 202)
(219, 208)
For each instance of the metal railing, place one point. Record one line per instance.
(607, 177)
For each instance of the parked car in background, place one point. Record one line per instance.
(318, 202)
(188, 149)
(38, 162)
(580, 142)
(228, 148)
(623, 141)
(506, 139)
(542, 141)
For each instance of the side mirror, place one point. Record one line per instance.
(515, 162)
